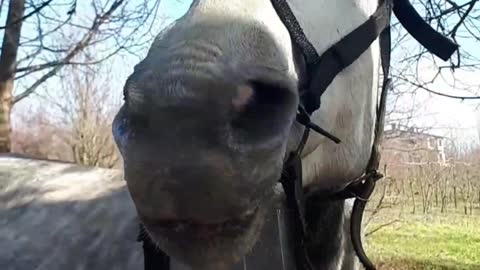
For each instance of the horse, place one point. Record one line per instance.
(209, 120)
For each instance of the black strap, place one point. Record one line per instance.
(332, 62)
(292, 184)
(360, 189)
(363, 189)
(367, 187)
(343, 54)
(296, 32)
(436, 44)
(432, 40)
(323, 69)
(153, 257)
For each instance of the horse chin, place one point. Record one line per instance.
(209, 246)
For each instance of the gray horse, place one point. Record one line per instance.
(208, 121)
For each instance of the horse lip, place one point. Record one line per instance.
(201, 228)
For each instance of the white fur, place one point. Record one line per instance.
(348, 105)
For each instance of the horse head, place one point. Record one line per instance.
(208, 121)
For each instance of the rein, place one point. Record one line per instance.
(321, 71)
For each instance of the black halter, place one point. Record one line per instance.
(321, 70)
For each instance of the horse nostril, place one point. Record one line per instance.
(263, 108)
(244, 94)
(139, 122)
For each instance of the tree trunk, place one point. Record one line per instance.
(455, 196)
(413, 197)
(8, 59)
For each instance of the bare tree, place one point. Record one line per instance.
(91, 141)
(56, 33)
(8, 58)
(458, 21)
(414, 69)
(84, 111)
(36, 135)
(74, 124)
(41, 37)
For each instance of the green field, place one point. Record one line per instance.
(442, 241)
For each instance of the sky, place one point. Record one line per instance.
(459, 119)
(443, 113)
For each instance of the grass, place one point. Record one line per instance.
(427, 242)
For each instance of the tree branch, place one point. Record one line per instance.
(37, 9)
(97, 22)
(435, 92)
(379, 227)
